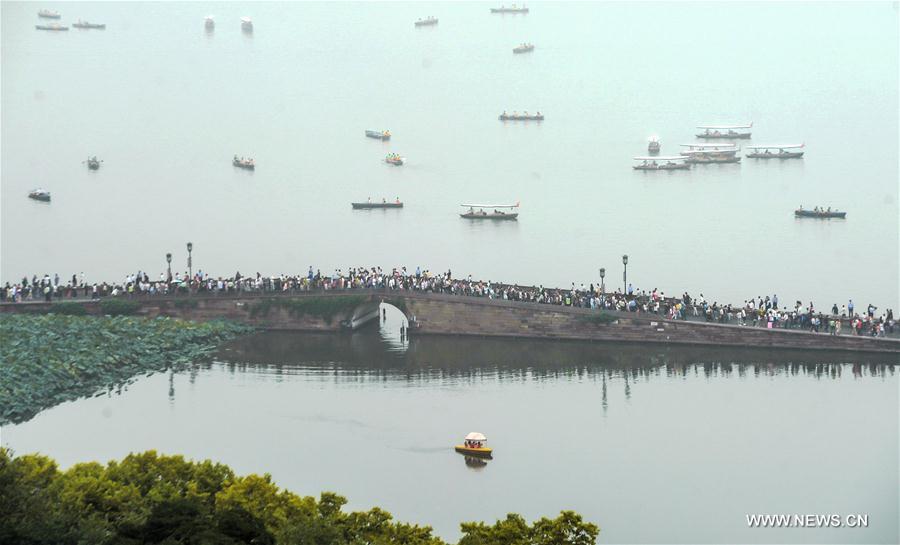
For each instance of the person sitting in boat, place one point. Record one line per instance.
(383, 200)
(768, 152)
(397, 201)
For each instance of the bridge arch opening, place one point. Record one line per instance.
(393, 327)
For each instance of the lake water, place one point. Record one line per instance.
(166, 105)
(655, 445)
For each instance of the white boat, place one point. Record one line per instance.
(209, 22)
(655, 162)
(765, 152)
(724, 131)
(246, 24)
(725, 149)
(490, 211)
(39, 195)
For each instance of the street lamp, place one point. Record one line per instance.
(602, 275)
(625, 273)
(169, 266)
(190, 246)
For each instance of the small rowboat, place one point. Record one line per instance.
(427, 22)
(372, 205)
(93, 163)
(381, 135)
(765, 152)
(53, 27)
(395, 160)
(209, 23)
(482, 215)
(524, 117)
(524, 48)
(675, 162)
(248, 164)
(85, 24)
(478, 211)
(474, 446)
(47, 14)
(246, 24)
(825, 214)
(513, 9)
(40, 195)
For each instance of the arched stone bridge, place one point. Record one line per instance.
(431, 313)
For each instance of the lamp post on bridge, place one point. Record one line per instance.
(169, 266)
(625, 274)
(190, 246)
(602, 275)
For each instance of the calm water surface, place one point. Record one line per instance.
(166, 105)
(655, 445)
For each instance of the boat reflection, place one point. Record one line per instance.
(476, 463)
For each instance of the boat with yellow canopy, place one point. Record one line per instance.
(473, 445)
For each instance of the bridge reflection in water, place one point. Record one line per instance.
(381, 354)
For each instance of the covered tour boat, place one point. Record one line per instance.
(428, 21)
(819, 212)
(248, 164)
(725, 148)
(47, 14)
(473, 445)
(653, 145)
(52, 26)
(40, 195)
(511, 9)
(724, 131)
(368, 205)
(653, 162)
(93, 163)
(381, 135)
(705, 157)
(766, 152)
(85, 24)
(209, 23)
(394, 159)
(246, 24)
(523, 48)
(490, 211)
(515, 116)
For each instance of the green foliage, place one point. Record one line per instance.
(599, 318)
(68, 309)
(568, 528)
(119, 307)
(48, 359)
(322, 307)
(150, 498)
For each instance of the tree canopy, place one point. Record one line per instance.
(148, 498)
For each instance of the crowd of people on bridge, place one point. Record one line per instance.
(757, 311)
